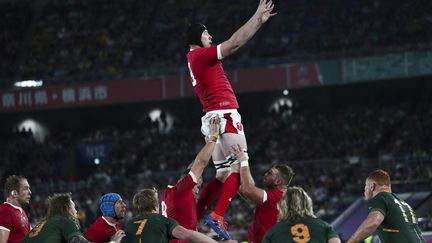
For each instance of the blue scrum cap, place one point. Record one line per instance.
(107, 204)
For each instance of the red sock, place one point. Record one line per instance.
(208, 195)
(229, 190)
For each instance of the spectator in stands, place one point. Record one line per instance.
(67, 43)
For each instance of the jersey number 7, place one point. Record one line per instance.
(141, 226)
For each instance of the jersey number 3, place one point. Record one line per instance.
(300, 233)
(194, 82)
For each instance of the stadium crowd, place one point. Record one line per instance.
(329, 150)
(93, 40)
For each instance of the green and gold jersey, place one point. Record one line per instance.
(152, 228)
(56, 229)
(311, 230)
(400, 221)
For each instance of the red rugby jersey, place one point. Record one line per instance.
(15, 220)
(101, 230)
(209, 80)
(178, 203)
(265, 216)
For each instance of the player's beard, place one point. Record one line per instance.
(24, 204)
(120, 215)
(267, 183)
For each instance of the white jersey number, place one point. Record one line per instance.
(164, 209)
(194, 82)
(407, 211)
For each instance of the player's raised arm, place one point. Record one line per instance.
(244, 33)
(203, 157)
(247, 184)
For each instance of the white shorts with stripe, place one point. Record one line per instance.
(230, 121)
(230, 124)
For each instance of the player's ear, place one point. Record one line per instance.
(14, 192)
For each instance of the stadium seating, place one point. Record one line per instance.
(93, 40)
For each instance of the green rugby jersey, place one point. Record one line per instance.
(153, 228)
(400, 221)
(311, 230)
(56, 229)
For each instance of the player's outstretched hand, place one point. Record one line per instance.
(265, 9)
(214, 126)
(239, 153)
(118, 236)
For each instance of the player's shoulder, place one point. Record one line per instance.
(170, 188)
(58, 219)
(202, 51)
(148, 216)
(383, 196)
(275, 228)
(100, 221)
(319, 222)
(6, 208)
(154, 219)
(274, 192)
(187, 179)
(131, 222)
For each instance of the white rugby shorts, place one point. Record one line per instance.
(230, 121)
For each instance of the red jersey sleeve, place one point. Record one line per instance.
(96, 235)
(186, 184)
(207, 55)
(273, 196)
(99, 231)
(6, 220)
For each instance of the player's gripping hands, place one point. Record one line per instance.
(241, 155)
(214, 126)
(117, 237)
